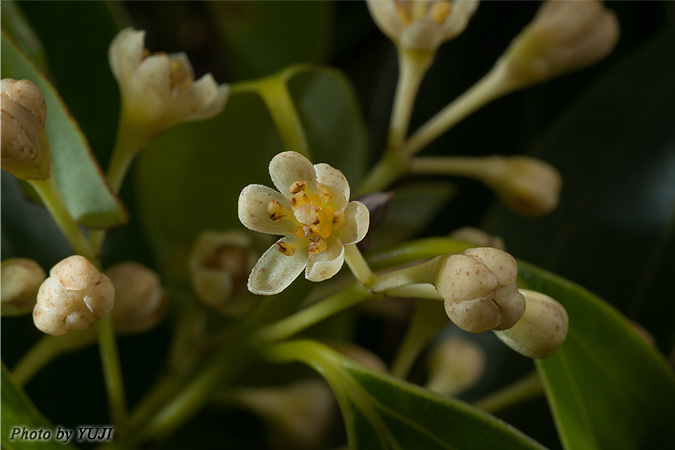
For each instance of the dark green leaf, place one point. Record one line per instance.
(608, 388)
(261, 38)
(77, 174)
(384, 412)
(19, 412)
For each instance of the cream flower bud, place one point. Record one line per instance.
(74, 297)
(299, 415)
(140, 301)
(421, 24)
(527, 185)
(479, 289)
(25, 150)
(563, 37)
(158, 90)
(454, 365)
(21, 280)
(541, 330)
(219, 265)
(478, 236)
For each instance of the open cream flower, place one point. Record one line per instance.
(421, 24)
(158, 90)
(312, 211)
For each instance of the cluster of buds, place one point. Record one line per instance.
(21, 280)
(74, 297)
(25, 149)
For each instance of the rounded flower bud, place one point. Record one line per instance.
(21, 279)
(563, 37)
(527, 185)
(454, 365)
(74, 297)
(541, 330)
(479, 289)
(140, 301)
(220, 263)
(25, 150)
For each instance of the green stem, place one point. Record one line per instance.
(112, 373)
(493, 85)
(358, 265)
(413, 65)
(486, 169)
(52, 199)
(47, 349)
(390, 167)
(524, 389)
(419, 273)
(315, 313)
(425, 324)
(414, 250)
(274, 92)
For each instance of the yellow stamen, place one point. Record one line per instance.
(275, 210)
(440, 12)
(315, 200)
(317, 247)
(402, 14)
(298, 186)
(338, 220)
(325, 192)
(180, 76)
(284, 248)
(299, 231)
(298, 200)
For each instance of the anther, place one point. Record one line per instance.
(298, 186)
(338, 220)
(317, 247)
(284, 248)
(275, 210)
(325, 192)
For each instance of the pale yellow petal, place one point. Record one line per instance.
(289, 167)
(254, 214)
(324, 265)
(274, 272)
(357, 221)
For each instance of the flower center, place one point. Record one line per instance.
(411, 10)
(314, 214)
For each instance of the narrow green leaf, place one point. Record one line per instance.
(19, 412)
(384, 412)
(77, 173)
(608, 388)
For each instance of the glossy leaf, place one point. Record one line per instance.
(19, 412)
(384, 412)
(607, 387)
(199, 169)
(261, 38)
(77, 173)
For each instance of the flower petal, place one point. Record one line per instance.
(209, 98)
(274, 272)
(149, 89)
(357, 220)
(336, 181)
(253, 212)
(288, 167)
(324, 265)
(125, 54)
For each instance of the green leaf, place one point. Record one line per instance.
(189, 179)
(607, 387)
(261, 38)
(19, 412)
(84, 189)
(384, 412)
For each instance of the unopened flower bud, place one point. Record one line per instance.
(25, 150)
(140, 301)
(359, 354)
(21, 279)
(563, 37)
(479, 289)
(454, 365)
(74, 297)
(479, 237)
(220, 263)
(527, 185)
(541, 330)
(299, 416)
(422, 24)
